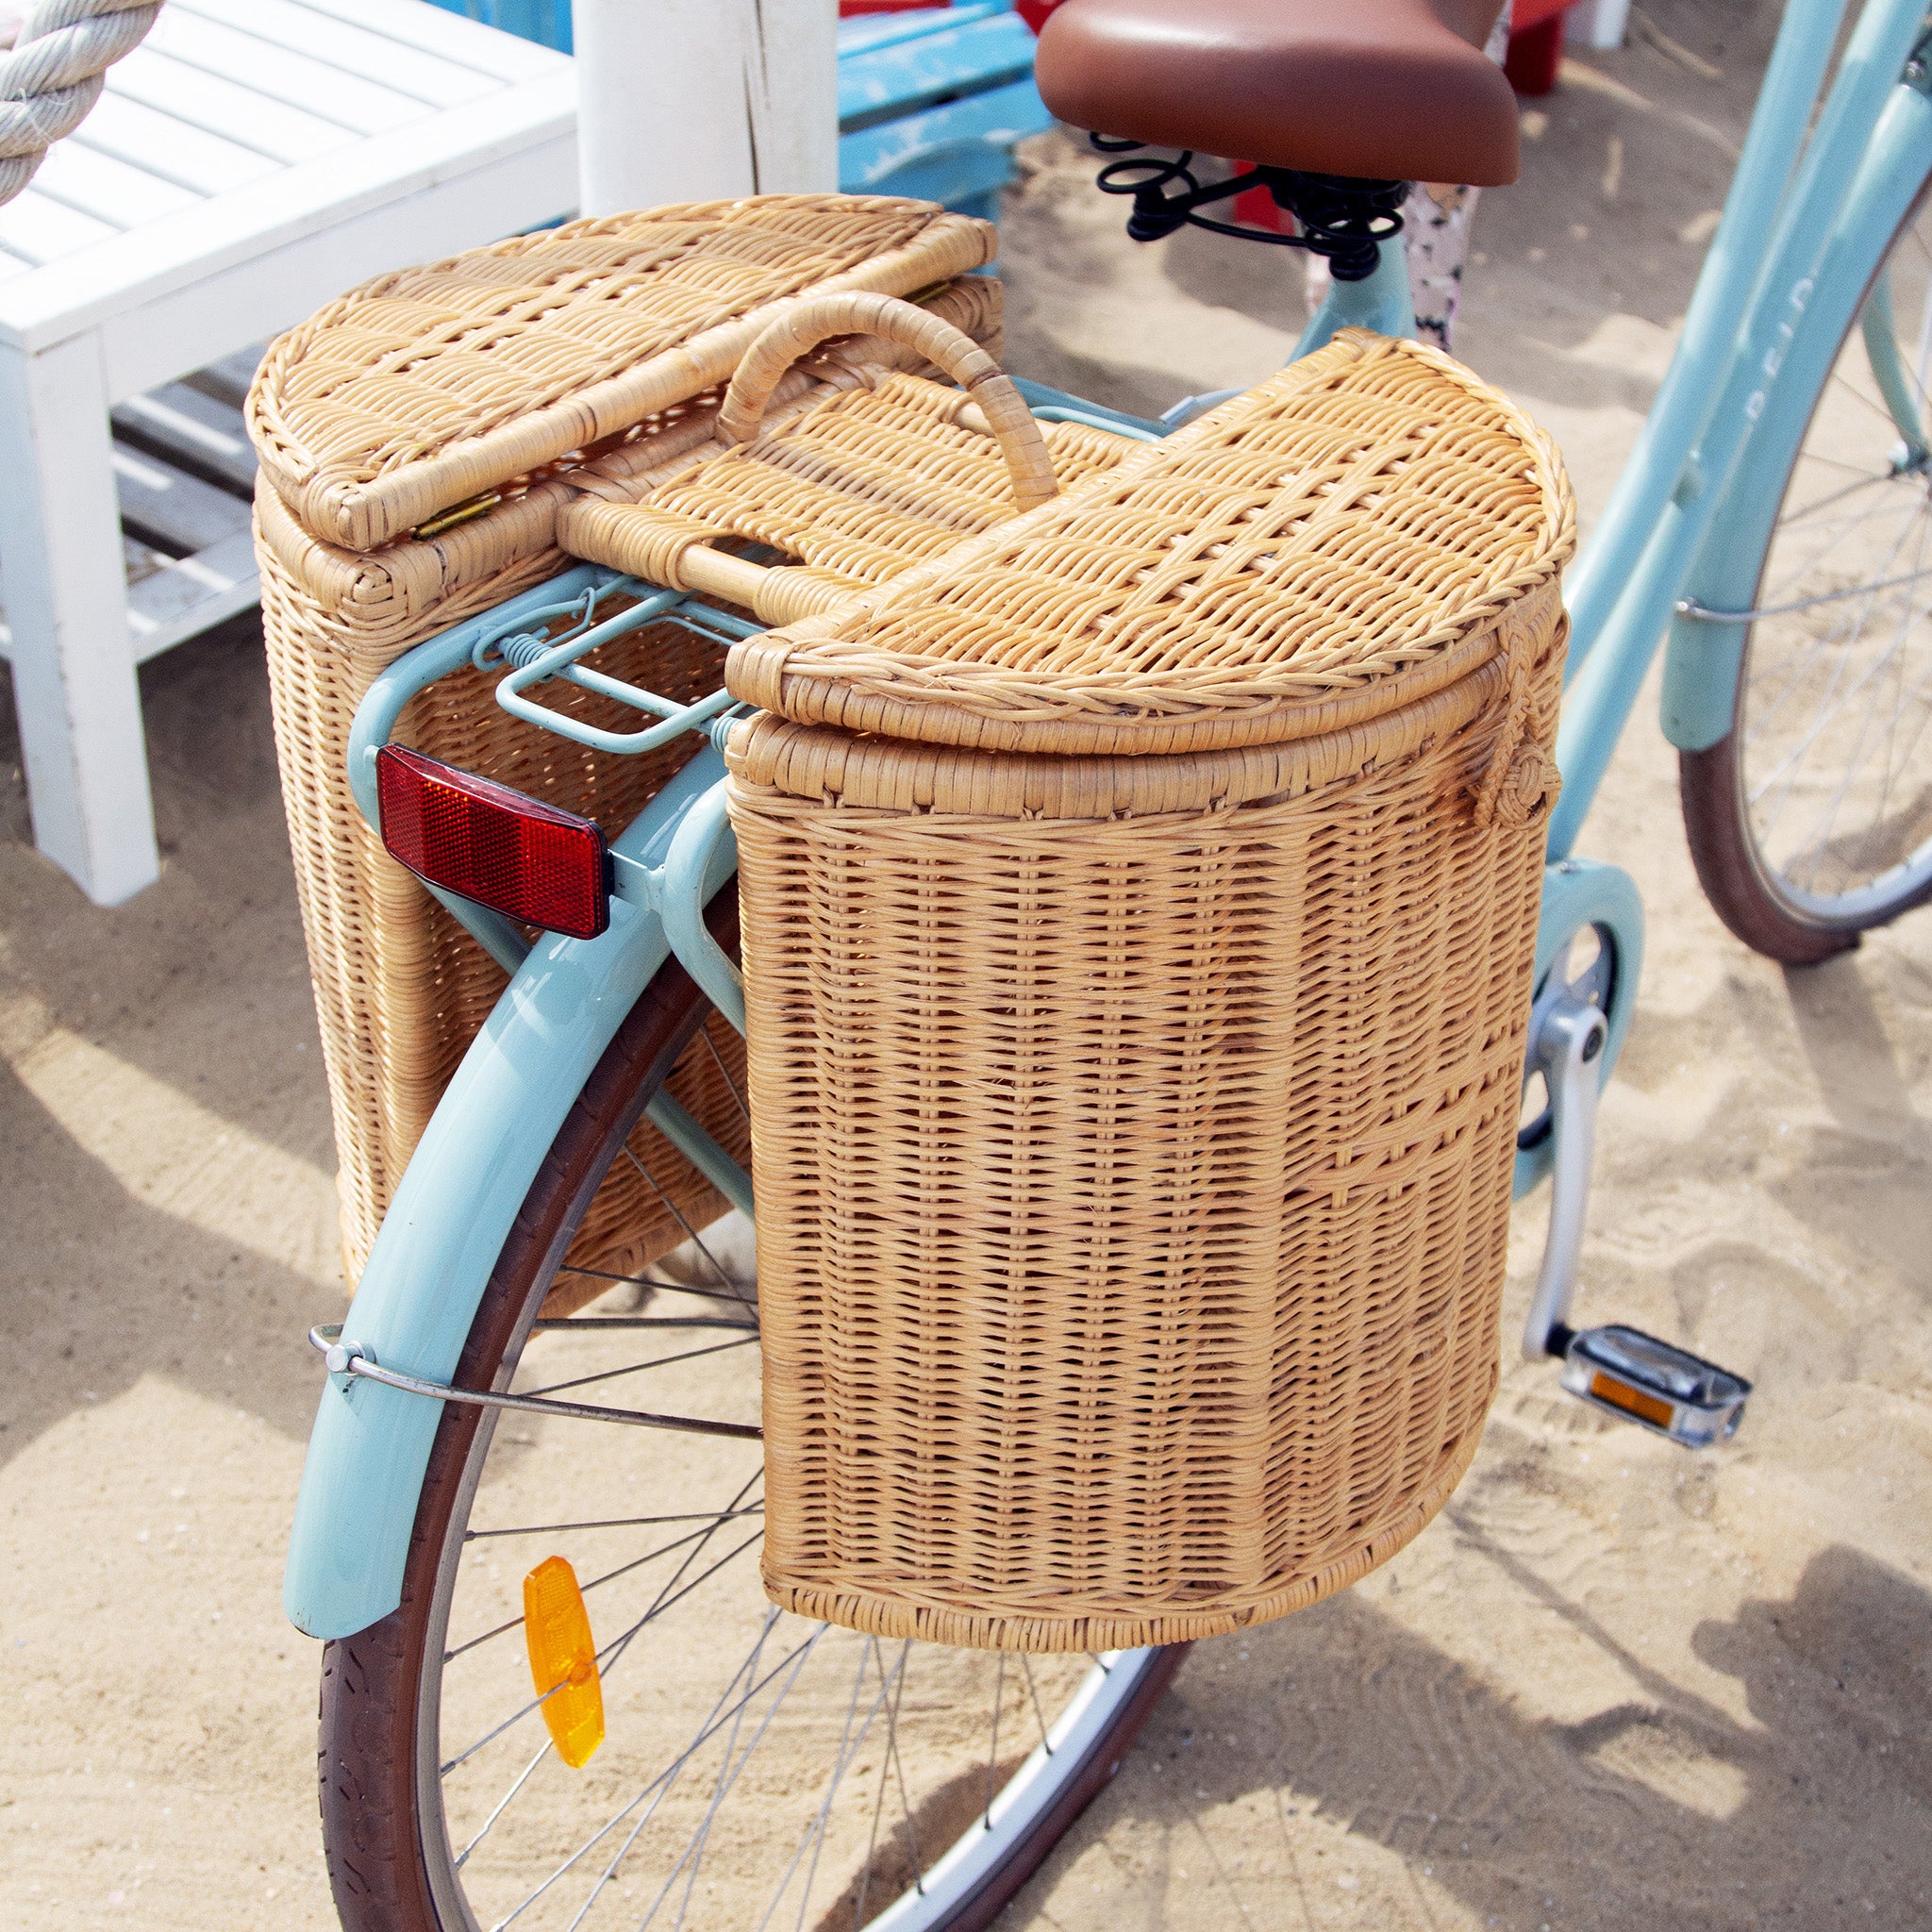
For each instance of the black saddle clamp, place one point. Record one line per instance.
(1336, 216)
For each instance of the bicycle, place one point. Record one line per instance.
(920, 1787)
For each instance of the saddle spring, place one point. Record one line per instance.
(1336, 216)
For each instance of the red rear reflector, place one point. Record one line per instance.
(529, 861)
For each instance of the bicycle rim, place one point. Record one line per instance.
(757, 1770)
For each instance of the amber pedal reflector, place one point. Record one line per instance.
(472, 836)
(563, 1661)
(1631, 1401)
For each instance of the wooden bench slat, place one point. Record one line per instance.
(226, 380)
(869, 159)
(107, 188)
(424, 76)
(192, 593)
(289, 79)
(436, 31)
(41, 229)
(184, 422)
(169, 508)
(912, 74)
(204, 100)
(167, 147)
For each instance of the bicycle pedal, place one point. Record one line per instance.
(1653, 1382)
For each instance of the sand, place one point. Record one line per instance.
(1615, 1686)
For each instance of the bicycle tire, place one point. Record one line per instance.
(383, 1867)
(1752, 890)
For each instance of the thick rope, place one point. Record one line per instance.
(53, 77)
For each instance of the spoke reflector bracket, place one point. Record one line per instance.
(474, 837)
(563, 1661)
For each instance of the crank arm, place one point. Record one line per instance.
(1634, 1376)
(1567, 1039)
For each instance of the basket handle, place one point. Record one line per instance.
(813, 319)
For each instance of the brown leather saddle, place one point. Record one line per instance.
(1380, 90)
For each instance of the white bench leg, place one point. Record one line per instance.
(74, 670)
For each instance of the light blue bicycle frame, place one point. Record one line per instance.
(1688, 514)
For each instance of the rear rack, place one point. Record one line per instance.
(521, 646)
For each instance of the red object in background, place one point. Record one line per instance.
(473, 836)
(849, 9)
(1034, 12)
(1536, 45)
(1255, 208)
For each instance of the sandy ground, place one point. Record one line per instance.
(1615, 1686)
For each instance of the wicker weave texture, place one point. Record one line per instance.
(858, 484)
(400, 989)
(423, 388)
(1133, 1190)
(1322, 549)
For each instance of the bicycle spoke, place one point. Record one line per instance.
(1794, 757)
(992, 1750)
(659, 1282)
(580, 1325)
(889, 1762)
(1829, 714)
(1762, 715)
(523, 1778)
(1854, 764)
(614, 1651)
(726, 1779)
(1033, 1691)
(665, 1776)
(690, 1354)
(664, 1600)
(725, 1072)
(870, 1649)
(1791, 520)
(696, 1239)
(1778, 592)
(748, 1669)
(602, 1522)
(698, 1535)
(1878, 410)
(848, 1746)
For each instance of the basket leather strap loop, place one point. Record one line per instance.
(1520, 776)
(815, 318)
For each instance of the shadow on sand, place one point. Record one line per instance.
(1662, 1810)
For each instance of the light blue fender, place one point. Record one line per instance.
(1702, 659)
(452, 1212)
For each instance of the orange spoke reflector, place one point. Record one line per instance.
(563, 1661)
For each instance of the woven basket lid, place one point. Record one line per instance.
(429, 386)
(1334, 544)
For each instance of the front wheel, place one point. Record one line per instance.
(757, 1769)
(1810, 821)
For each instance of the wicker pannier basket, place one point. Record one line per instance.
(419, 441)
(1139, 903)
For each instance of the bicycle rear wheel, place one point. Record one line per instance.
(757, 1769)
(1810, 821)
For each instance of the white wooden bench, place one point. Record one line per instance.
(248, 162)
